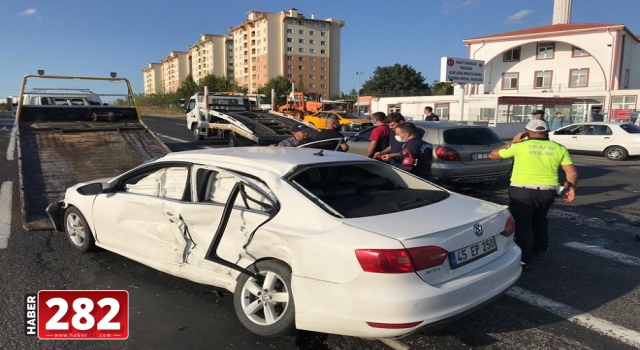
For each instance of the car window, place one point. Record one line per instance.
(364, 189)
(470, 136)
(570, 130)
(169, 182)
(348, 115)
(598, 130)
(630, 128)
(365, 134)
(215, 187)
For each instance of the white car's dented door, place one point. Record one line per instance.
(141, 216)
(205, 217)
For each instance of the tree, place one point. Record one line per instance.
(442, 88)
(300, 86)
(282, 87)
(396, 80)
(217, 84)
(187, 88)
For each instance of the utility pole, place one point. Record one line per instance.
(358, 74)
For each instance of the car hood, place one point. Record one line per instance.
(411, 225)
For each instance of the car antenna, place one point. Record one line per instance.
(319, 154)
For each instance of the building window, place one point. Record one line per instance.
(300, 41)
(626, 78)
(312, 86)
(301, 59)
(512, 55)
(289, 31)
(312, 33)
(289, 58)
(323, 33)
(289, 66)
(324, 69)
(301, 49)
(289, 40)
(301, 67)
(312, 76)
(323, 77)
(312, 42)
(312, 59)
(545, 50)
(578, 52)
(442, 110)
(300, 76)
(323, 43)
(312, 50)
(510, 81)
(323, 86)
(543, 79)
(312, 68)
(323, 60)
(322, 52)
(289, 48)
(579, 77)
(301, 31)
(624, 102)
(290, 76)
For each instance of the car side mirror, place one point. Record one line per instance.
(90, 189)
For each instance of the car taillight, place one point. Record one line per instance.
(400, 260)
(509, 227)
(427, 257)
(393, 325)
(447, 154)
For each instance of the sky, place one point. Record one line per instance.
(96, 37)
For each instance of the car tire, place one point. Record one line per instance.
(78, 231)
(616, 153)
(249, 300)
(195, 132)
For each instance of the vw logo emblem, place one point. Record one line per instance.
(477, 229)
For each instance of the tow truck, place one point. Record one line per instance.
(229, 116)
(67, 136)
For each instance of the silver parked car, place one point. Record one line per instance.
(460, 152)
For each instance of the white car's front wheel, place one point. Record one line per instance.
(265, 307)
(78, 231)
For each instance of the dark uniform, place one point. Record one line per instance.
(418, 155)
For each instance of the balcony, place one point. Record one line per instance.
(554, 88)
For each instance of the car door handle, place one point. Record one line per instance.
(607, 137)
(574, 137)
(168, 213)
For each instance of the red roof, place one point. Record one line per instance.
(549, 29)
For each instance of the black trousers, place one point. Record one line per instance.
(529, 208)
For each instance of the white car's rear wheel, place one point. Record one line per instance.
(266, 307)
(78, 231)
(616, 153)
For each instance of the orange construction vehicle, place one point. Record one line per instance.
(299, 105)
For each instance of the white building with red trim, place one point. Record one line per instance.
(573, 68)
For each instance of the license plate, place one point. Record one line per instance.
(472, 253)
(479, 156)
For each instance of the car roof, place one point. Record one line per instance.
(600, 123)
(279, 160)
(443, 125)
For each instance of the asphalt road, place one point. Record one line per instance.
(584, 294)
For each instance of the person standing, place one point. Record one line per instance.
(429, 115)
(393, 153)
(534, 185)
(597, 116)
(379, 138)
(417, 155)
(557, 121)
(331, 132)
(300, 134)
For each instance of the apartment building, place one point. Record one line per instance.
(212, 54)
(152, 78)
(175, 69)
(287, 43)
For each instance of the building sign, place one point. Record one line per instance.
(461, 70)
(621, 114)
(518, 100)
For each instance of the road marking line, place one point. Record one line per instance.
(12, 142)
(181, 124)
(5, 213)
(605, 253)
(172, 138)
(591, 322)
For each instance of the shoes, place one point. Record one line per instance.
(526, 267)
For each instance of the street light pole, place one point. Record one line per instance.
(358, 99)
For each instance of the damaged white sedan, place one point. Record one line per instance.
(321, 241)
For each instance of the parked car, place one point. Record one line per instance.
(348, 121)
(460, 152)
(305, 239)
(616, 141)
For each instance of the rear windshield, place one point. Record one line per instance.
(365, 189)
(471, 136)
(348, 115)
(630, 128)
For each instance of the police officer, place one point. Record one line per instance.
(534, 185)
